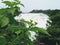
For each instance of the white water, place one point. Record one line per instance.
(40, 18)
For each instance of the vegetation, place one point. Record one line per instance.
(11, 33)
(48, 12)
(53, 29)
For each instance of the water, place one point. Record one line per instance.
(40, 18)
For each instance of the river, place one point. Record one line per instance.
(40, 18)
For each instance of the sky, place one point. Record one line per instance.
(38, 4)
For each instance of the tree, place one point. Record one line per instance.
(54, 29)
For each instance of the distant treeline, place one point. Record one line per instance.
(48, 12)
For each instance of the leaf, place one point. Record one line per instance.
(13, 4)
(7, 3)
(18, 32)
(36, 29)
(2, 11)
(3, 21)
(16, 29)
(17, 0)
(2, 40)
(11, 10)
(22, 20)
(28, 33)
(22, 4)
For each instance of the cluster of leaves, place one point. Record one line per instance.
(11, 33)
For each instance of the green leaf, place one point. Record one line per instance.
(2, 40)
(17, 0)
(11, 10)
(7, 3)
(3, 21)
(22, 20)
(2, 11)
(22, 4)
(36, 29)
(17, 29)
(28, 33)
(13, 4)
(18, 32)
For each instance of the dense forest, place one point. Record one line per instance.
(48, 12)
(53, 29)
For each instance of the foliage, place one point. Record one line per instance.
(53, 29)
(49, 12)
(12, 33)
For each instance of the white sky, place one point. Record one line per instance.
(38, 4)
